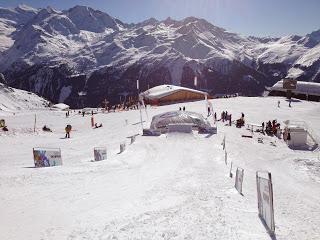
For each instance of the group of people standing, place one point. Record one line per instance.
(225, 117)
(271, 128)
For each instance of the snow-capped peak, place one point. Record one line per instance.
(26, 8)
(86, 18)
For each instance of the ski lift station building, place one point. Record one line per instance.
(304, 90)
(169, 94)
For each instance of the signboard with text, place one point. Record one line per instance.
(47, 157)
(122, 147)
(289, 84)
(265, 200)
(100, 154)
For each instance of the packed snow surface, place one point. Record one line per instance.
(175, 186)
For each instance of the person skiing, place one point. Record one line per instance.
(278, 103)
(215, 116)
(184, 108)
(290, 102)
(209, 112)
(68, 130)
(230, 119)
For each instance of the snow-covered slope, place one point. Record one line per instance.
(12, 100)
(168, 187)
(105, 50)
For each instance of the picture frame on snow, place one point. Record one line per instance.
(239, 180)
(100, 153)
(122, 147)
(265, 200)
(47, 157)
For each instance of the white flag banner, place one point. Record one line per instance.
(265, 200)
(138, 87)
(211, 107)
(239, 180)
(144, 106)
(195, 81)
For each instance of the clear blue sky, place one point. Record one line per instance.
(248, 17)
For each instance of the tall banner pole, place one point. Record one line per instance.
(139, 104)
(141, 117)
(207, 103)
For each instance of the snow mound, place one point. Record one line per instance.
(161, 121)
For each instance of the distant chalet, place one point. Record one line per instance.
(305, 90)
(169, 94)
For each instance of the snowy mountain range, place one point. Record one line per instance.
(58, 54)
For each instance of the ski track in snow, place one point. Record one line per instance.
(171, 187)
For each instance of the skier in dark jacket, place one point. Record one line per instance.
(68, 130)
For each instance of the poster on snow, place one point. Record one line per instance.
(265, 201)
(47, 157)
(122, 147)
(226, 157)
(239, 180)
(133, 139)
(100, 154)
(224, 142)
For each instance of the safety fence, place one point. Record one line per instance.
(264, 191)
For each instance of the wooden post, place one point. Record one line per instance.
(35, 122)
(92, 121)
